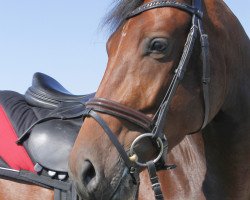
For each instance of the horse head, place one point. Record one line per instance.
(154, 83)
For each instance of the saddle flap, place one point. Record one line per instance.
(51, 142)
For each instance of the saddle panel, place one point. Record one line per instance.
(46, 92)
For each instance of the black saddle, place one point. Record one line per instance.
(47, 120)
(46, 92)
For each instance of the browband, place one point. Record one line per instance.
(159, 4)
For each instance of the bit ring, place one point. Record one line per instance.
(133, 154)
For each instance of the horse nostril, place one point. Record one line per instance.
(88, 172)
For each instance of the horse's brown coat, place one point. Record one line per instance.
(185, 182)
(10, 190)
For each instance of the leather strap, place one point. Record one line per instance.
(178, 76)
(160, 4)
(130, 165)
(112, 137)
(206, 73)
(118, 110)
(156, 186)
(66, 110)
(63, 190)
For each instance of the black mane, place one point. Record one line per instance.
(120, 11)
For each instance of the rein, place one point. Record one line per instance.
(155, 127)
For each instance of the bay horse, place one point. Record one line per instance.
(144, 90)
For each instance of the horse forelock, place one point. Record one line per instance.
(120, 9)
(119, 12)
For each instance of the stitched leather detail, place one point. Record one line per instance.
(121, 111)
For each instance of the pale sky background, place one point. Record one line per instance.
(61, 38)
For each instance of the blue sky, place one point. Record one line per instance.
(63, 39)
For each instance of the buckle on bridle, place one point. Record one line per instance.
(133, 156)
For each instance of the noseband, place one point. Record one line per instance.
(155, 127)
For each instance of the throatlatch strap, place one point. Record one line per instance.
(206, 73)
(156, 186)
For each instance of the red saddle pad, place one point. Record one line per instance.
(14, 155)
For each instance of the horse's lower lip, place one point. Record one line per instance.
(115, 195)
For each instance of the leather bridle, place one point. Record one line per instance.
(155, 126)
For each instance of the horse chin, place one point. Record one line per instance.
(122, 188)
(82, 192)
(126, 189)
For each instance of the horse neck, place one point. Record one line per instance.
(227, 136)
(230, 60)
(237, 99)
(227, 142)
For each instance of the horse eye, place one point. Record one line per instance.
(158, 45)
